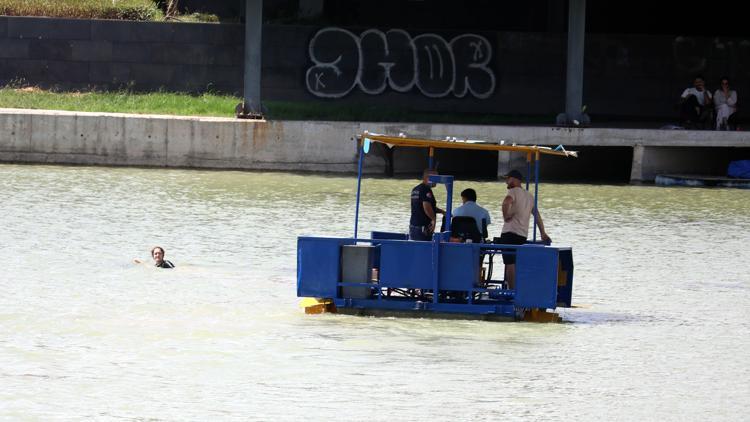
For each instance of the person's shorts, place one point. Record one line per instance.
(420, 233)
(509, 238)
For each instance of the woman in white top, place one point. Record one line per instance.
(725, 100)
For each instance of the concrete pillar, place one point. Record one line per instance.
(507, 161)
(310, 9)
(636, 169)
(253, 38)
(503, 163)
(574, 74)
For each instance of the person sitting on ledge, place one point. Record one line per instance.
(157, 253)
(695, 105)
(725, 100)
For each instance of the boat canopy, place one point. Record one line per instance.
(533, 154)
(466, 144)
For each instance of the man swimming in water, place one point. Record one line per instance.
(157, 252)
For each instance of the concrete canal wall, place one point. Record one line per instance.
(33, 136)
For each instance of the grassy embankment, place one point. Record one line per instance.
(136, 10)
(218, 105)
(120, 102)
(139, 10)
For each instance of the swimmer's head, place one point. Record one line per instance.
(157, 252)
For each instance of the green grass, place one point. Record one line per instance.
(120, 102)
(139, 10)
(210, 104)
(202, 18)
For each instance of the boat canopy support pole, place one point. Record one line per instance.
(359, 184)
(528, 169)
(448, 203)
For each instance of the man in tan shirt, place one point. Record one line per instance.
(518, 206)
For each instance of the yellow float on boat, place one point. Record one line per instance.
(314, 305)
(541, 315)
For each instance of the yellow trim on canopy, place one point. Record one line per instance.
(403, 141)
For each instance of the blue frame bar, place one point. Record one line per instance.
(449, 203)
(536, 191)
(435, 267)
(528, 170)
(448, 182)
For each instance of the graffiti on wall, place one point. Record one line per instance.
(375, 61)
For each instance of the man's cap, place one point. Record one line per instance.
(515, 173)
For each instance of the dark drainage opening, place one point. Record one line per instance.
(594, 164)
(460, 163)
(700, 161)
(467, 164)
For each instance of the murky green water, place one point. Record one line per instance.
(663, 275)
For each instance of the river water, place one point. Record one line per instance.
(663, 331)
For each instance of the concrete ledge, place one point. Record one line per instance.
(43, 136)
(36, 136)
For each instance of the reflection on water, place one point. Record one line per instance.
(661, 278)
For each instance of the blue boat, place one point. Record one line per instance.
(701, 181)
(387, 275)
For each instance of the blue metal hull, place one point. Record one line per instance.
(432, 314)
(437, 278)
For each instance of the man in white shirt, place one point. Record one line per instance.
(518, 206)
(695, 105)
(470, 208)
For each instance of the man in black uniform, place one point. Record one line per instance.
(157, 252)
(423, 209)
